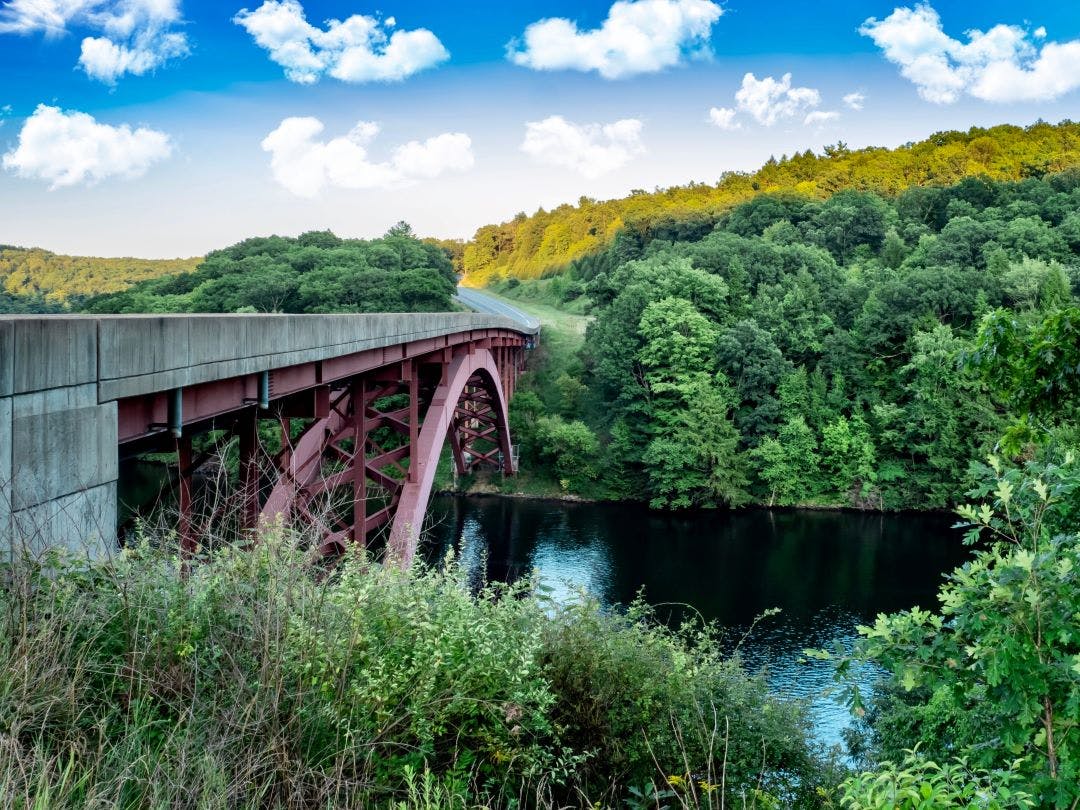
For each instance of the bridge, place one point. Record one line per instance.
(361, 407)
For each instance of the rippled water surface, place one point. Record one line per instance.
(826, 571)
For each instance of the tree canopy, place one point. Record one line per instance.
(315, 272)
(829, 352)
(546, 242)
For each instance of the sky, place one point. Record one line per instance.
(165, 128)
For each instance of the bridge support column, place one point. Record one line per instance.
(247, 430)
(185, 464)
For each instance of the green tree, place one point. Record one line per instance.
(848, 458)
(788, 465)
(949, 417)
(692, 458)
(571, 447)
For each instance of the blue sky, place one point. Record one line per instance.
(171, 127)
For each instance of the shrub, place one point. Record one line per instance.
(644, 699)
(263, 678)
(992, 676)
(917, 783)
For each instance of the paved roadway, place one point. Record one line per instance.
(481, 302)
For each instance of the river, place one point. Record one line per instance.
(826, 571)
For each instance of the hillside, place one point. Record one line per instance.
(537, 245)
(34, 273)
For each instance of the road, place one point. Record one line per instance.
(486, 303)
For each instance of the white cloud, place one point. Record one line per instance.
(69, 148)
(769, 100)
(137, 36)
(305, 165)
(638, 36)
(357, 49)
(1002, 64)
(589, 149)
(854, 101)
(819, 117)
(724, 117)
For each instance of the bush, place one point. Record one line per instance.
(264, 679)
(647, 701)
(992, 676)
(920, 783)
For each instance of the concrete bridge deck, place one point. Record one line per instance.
(63, 379)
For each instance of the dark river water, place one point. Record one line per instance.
(826, 571)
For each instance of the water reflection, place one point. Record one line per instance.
(827, 571)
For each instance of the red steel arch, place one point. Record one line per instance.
(468, 407)
(370, 458)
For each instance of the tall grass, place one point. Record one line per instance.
(265, 678)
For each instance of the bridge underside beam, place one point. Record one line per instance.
(142, 417)
(358, 455)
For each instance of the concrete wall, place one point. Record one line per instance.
(59, 462)
(60, 378)
(7, 355)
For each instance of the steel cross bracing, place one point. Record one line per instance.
(364, 461)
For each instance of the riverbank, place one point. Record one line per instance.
(546, 488)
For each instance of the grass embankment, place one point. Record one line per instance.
(265, 679)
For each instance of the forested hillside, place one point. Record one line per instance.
(807, 352)
(533, 246)
(315, 272)
(35, 273)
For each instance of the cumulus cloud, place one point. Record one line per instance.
(305, 165)
(66, 148)
(135, 36)
(1005, 63)
(854, 101)
(724, 117)
(589, 149)
(357, 49)
(769, 101)
(638, 36)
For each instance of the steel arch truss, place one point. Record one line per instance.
(367, 459)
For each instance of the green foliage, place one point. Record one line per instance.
(1004, 644)
(848, 457)
(650, 702)
(843, 330)
(316, 272)
(571, 448)
(789, 463)
(917, 783)
(1034, 363)
(693, 457)
(549, 242)
(263, 679)
(38, 273)
(27, 305)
